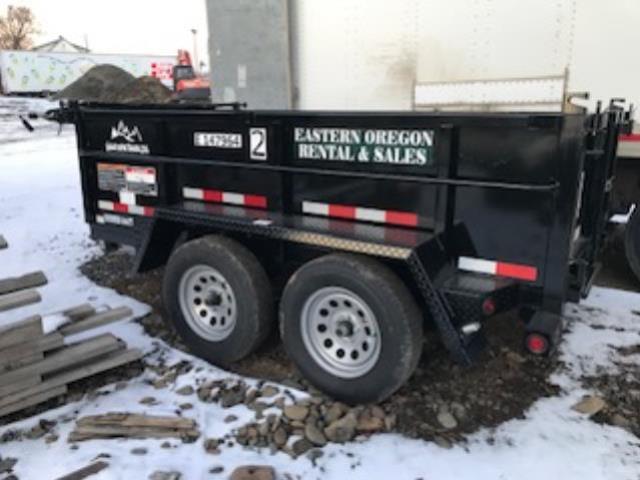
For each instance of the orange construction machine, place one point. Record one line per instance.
(186, 83)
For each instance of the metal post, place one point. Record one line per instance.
(196, 64)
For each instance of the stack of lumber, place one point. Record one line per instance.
(38, 359)
(35, 366)
(129, 425)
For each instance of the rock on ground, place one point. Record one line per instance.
(253, 472)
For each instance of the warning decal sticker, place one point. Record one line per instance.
(126, 178)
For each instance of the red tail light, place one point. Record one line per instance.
(488, 307)
(537, 344)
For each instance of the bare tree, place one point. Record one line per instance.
(17, 28)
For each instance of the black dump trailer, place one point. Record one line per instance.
(357, 231)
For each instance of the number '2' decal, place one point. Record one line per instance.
(258, 143)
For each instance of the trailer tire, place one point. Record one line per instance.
(220, 277)
(632, 242)
(373, 306)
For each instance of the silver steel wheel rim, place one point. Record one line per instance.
(208, 303)
(340, 332)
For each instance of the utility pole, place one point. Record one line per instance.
(196, 65)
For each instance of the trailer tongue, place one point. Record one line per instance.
(383, 223)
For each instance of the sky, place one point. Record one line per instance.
(122, 26)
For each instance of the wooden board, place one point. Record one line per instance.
(3, 243)
(85, 472)
(96, 320)
(129, 425)
(22, 361)
(18, 299)
(91, 432)
(27, 381)
(35, 345)
(73, 355)
(80, 312)
(30, 280)
(136, 420)
(20, 332)
(33, 400)
(107, 362)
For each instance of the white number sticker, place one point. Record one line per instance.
(258, 143)
(217, 140)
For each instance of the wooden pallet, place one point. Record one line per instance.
(36, 366)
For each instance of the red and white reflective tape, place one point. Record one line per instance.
(633, 137)
(124, 208)
(218, 196)
(501, 269)
(392, 217)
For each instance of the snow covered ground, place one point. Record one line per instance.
(41, 217)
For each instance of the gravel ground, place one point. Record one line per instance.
(501, 386)
(442, 402)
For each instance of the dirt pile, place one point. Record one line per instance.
(100, 82)
(110, 84)
(141, 90)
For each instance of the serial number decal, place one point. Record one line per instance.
(380, 146)
(217, 140)
(126, 178)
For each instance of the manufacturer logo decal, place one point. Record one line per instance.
(131, 135)
(126, 139)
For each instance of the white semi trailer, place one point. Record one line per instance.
(378, 54)
(39, 73)
(369, 54)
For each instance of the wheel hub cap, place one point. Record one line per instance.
(340, 332)
(208, 302)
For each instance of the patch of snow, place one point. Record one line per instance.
(11, 127)
(41, 217)
(51, 323)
